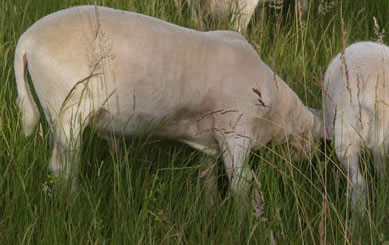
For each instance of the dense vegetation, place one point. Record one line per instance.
(153, 192)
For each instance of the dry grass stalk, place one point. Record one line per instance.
(41, 131)
(325, 7)
(380, 34)
(277, 4)
(208, 170)
(177, 4)
(343, 59)
(272, 239)
(359, 101)
(281, 224)
(258, 202)
(323, 221)
(300, 13)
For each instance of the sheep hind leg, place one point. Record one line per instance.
(356, 183)
(64, 162)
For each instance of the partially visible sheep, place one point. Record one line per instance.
(242, 10)
(357, 110)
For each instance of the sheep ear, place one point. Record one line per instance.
(319, 127)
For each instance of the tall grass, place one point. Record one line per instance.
(153, 191)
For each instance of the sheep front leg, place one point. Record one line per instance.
(235, 151)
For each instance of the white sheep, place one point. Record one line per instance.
(356, 112)
(242, 10)
(127, 73)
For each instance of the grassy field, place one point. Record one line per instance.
(153, 192)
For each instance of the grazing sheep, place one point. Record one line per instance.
(242, 10)
(357, 110)
(126, 73)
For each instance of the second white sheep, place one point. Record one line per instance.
(356, 86)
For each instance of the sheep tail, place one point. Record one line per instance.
(25, 100)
